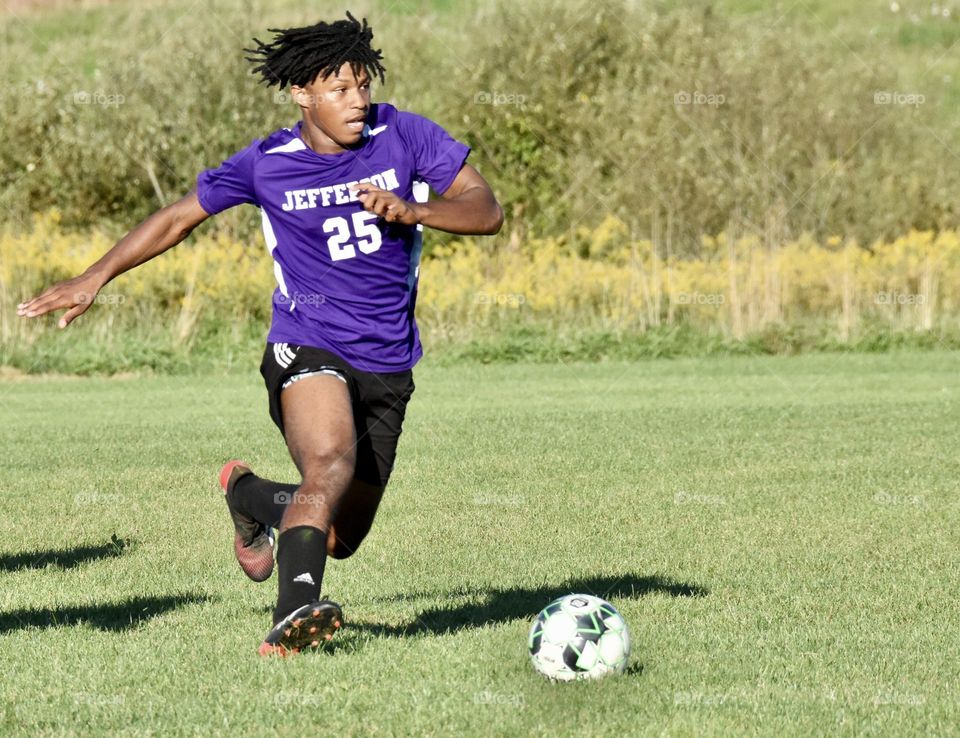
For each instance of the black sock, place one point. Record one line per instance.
(261, 499)
(301, 557)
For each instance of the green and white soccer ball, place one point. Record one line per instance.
(579, 636)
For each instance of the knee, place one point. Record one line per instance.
(334, 463)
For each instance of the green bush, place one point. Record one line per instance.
(678, 119)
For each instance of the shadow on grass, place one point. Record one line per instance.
(115, 616)
(63, 558)
(502, 605)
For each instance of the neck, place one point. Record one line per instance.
(314, 137)
(319, 141)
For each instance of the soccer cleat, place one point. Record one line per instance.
(307, 627)
(252, 541)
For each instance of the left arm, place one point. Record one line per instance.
(468, 207)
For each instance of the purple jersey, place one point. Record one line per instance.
(346, 279)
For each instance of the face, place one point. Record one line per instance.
(336, 107)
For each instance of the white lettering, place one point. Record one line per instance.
(391, 177)
(337, 194)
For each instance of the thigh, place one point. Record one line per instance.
(318, 423)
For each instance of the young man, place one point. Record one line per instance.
(340, 218)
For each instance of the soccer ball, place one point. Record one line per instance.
(579, 636)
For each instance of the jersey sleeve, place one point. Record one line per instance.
(229, 184)
(438, 157)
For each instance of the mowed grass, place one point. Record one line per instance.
(780, 533)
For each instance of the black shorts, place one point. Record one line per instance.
(379, 401)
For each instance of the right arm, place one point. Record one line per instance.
(161, 231)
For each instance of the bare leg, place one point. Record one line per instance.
(319, 431)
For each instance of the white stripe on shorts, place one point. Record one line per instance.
(303, 375)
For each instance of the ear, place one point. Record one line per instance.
(302, 96)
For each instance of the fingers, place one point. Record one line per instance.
(55, 298)
(26, 305)
(390, 212)
(380, 202)
(374, 200)
(365, 188)
(72, 313)
(43, 303)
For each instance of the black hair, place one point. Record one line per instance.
(297, 55)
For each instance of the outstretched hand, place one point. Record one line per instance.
(76, 294)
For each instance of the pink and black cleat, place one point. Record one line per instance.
(307, 627)
(253, 542)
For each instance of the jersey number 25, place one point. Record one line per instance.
(365, 235)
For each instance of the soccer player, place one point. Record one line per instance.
(342, 200)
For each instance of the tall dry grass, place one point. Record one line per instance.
(605, 280)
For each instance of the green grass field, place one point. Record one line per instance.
(780, 533)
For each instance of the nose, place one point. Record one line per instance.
(360, 99)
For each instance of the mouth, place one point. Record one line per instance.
(356, 124)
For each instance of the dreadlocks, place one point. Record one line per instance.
(298, 55)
